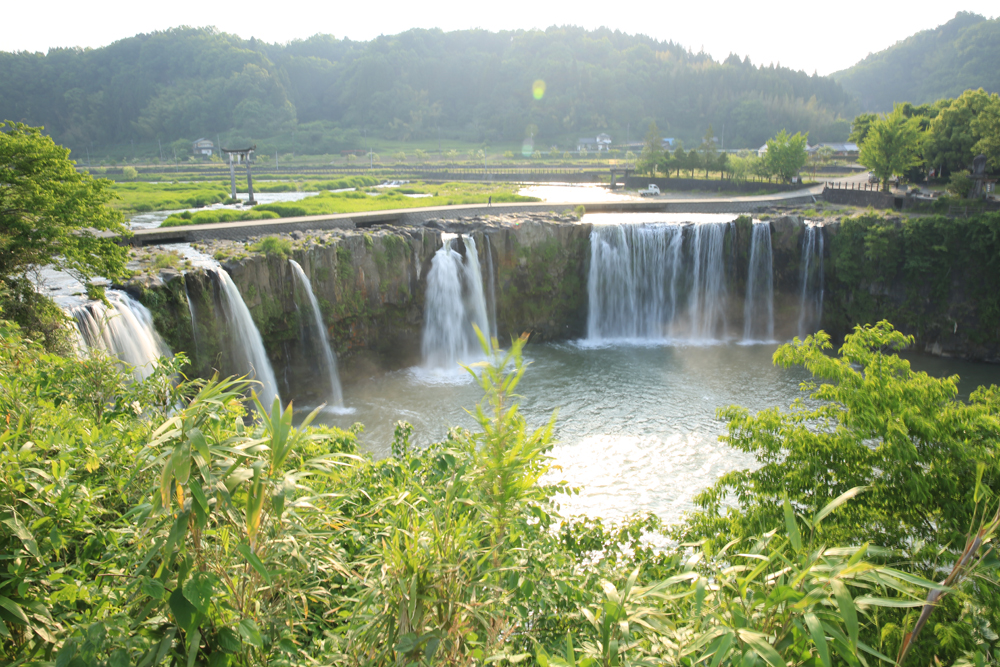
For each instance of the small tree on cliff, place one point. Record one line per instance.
(50, 214)
(891, 146)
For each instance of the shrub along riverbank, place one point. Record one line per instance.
(155, 523)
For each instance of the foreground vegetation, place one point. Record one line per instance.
(159, 523)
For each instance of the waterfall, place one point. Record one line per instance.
(247, 345)
(758, 307)
(707, 300)
(194, 322)
(811, 300)
(320, 332)
(454, 302)
(491, 291)
(125, 329)
(641, 279)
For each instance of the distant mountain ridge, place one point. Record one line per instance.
(324, 93)
(939, 63)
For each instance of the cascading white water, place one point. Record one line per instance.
(194, 322)
(247, 345)
(758, 307)
(320, 333)
(641, 280)
(632, 286)
(811, 298)
(125, 329)
(707, 298)
(454, 302)
(491, 287)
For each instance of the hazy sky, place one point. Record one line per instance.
(811, 36)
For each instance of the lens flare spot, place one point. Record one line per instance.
(538, 89)
(527, 148)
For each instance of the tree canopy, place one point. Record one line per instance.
(786, 155)
(891, 145)
(52, 214)
(473, 85)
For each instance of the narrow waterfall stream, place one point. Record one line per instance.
(125, 329)
(758, 307)
(246, 343)
(319, 333)
(454, 303)
(194, 321)
(811, 299)
(491, 292)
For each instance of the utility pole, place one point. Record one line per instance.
(161, 148)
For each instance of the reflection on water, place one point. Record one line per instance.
(578, 194)
(636, 425)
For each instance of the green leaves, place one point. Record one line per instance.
(49, 212)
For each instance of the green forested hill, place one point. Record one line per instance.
(962, 54)
(472, 85)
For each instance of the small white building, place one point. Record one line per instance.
(203, 146)
(841, 149)
(601, 142)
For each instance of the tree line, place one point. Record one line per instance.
(937, 140)
(472, 85)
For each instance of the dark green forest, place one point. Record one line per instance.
(960, 55)
(471, 85)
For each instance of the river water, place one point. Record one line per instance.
(636, 426)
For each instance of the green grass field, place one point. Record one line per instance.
(355, 201)
(441, 194)
(144, 197)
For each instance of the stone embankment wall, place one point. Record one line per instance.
(863, 198)
(370, 286)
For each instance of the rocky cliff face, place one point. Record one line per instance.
(371, 285)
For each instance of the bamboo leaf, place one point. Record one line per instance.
(763, 648)
(837, 502)
(723, 650)
(23, 534)
(255, 562)
(870, 651)
(14, 609)
(897, 603)
(818, 637)
(790, 525)
(847, 610)
(195, 640)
